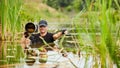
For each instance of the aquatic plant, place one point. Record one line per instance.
(98, 23)
(10, 18)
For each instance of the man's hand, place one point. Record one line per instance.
(64, 31)
(25, 41)
(59, 34)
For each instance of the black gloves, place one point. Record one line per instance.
(63, 31)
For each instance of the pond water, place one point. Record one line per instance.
(12, 55)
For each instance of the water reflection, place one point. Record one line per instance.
(12, 56)
(10, 53)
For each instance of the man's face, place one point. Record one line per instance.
(43, 29)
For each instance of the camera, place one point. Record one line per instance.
(30, 28)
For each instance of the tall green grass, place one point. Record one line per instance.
(99, 22)
(10, 18)
(11, 25)
(11, 53)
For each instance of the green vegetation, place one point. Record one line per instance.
(58, 4)
(11, 53)
(14, 14)
(10, 18)
(77, 5)
(99, 26)
(34, 11)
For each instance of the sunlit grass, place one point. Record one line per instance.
(10, 18)
(12, 53)
(99, 30)
(99, 33)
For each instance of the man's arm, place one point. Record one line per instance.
(59, 34)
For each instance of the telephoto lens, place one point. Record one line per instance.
(30, 61)
(30, 27)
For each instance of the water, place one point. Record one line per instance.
(13, 57)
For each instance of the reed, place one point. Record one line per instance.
(11, 53)
(98, 22)
(10, 18)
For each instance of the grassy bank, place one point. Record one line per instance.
(36, 10)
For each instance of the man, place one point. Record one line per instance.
(38, 40)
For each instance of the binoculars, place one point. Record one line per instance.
(30, 28)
